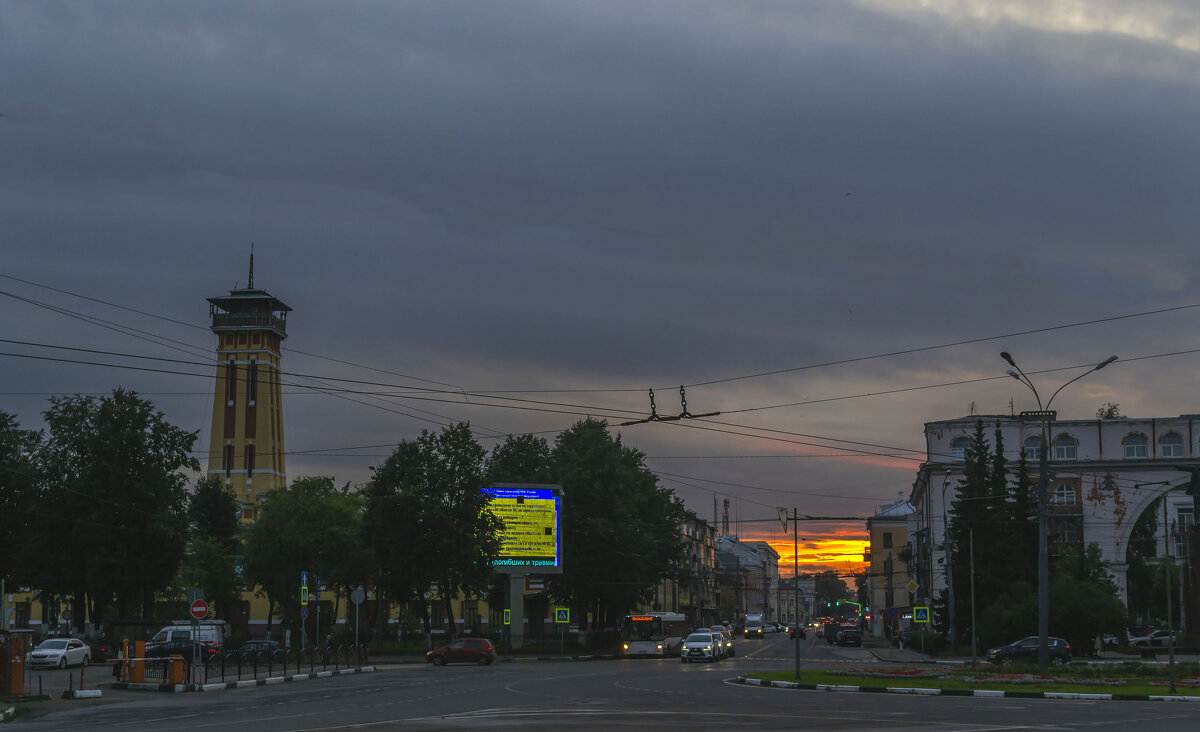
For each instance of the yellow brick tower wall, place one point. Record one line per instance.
(246, 448)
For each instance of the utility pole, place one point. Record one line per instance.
(1045, 415)
(1170, 568)
(783, 519)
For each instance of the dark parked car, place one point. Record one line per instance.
(1026, 650)
(463, 650)
(101, 650)
(849, 636)
(182, 647)
(258, 646)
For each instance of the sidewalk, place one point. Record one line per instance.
(891, 654)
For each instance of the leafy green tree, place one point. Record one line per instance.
(974, 519)
(1079, 611)
(310, 526)
(519, 459)
(213, 513)
(1109, 410)
(621, 530)
(431, 490)
(19, 480)
(391, 507)
(829, 587)
(214, 550)
(114, 475)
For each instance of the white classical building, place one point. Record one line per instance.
(1106, 473)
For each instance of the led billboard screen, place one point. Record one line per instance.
(530, 539)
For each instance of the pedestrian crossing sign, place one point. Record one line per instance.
(508, 617)
(920, 615)
(562, 615)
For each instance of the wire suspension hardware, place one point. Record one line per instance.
(685, 414)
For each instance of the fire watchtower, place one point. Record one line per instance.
(246, 445)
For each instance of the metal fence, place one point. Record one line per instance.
(237, 666)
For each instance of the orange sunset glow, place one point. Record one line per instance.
(835, 545)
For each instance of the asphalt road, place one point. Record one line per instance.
(595, 695)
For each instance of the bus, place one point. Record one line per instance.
(653, 634)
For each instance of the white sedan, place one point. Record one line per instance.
(60, 652)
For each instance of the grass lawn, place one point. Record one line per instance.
(1120, 681)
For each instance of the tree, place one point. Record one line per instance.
(432, 489)
(114, 475)
(19, 480)
(828, 587)
(973, 513)
(520, 459)
(214, 549)
(308, 526)
(621, 530)
(1109, 410)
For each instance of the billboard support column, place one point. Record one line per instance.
(516, 589)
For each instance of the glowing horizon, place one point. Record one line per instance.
(836, 545)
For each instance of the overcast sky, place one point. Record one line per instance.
(572, 202)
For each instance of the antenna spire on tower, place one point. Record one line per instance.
(250, 283)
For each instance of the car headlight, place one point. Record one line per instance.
(660, 646)
(708, 648)
(626, 646)
(685, 647)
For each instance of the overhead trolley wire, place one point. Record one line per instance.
(925, 349)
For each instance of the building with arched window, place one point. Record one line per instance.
(1106, 474)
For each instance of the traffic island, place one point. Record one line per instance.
(1118, 683)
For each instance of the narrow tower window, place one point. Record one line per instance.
(228, 461)
(230, 382)
(249, 462)
(252, 383)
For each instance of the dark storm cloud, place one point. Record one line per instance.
(579, 195)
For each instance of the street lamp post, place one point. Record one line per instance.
(1045, 415)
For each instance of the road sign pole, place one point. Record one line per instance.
(303, 607)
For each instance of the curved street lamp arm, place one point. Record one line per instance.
(1097, 367)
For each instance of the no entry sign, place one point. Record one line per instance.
(199, 609)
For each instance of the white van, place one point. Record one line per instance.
(210, 631)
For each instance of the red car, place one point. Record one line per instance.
(463, 650)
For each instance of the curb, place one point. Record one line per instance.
(131, 686)
(246, 683)
(83, 694)
(965, 692)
